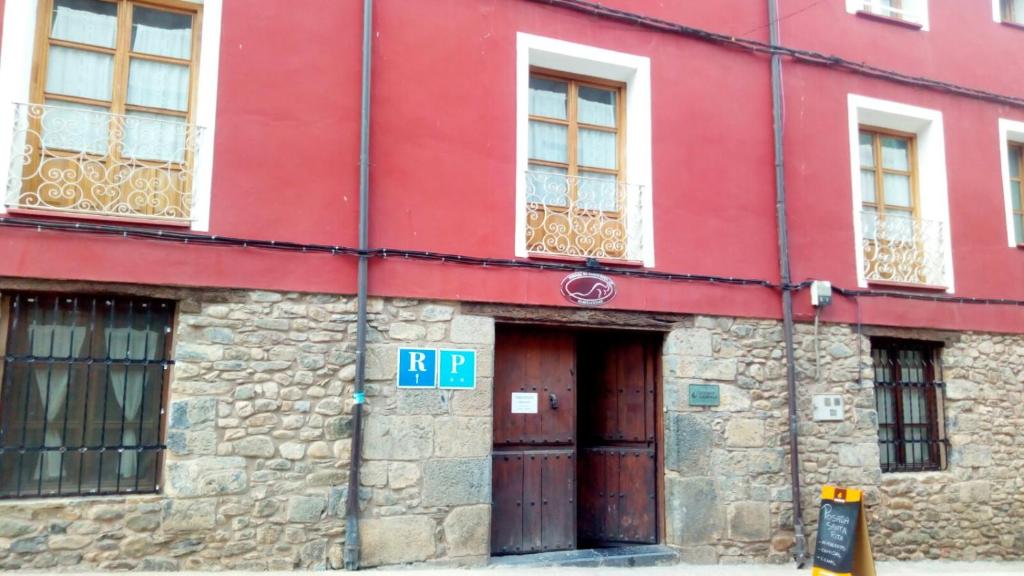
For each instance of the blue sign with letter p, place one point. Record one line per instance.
(457, 369)
(417, 368)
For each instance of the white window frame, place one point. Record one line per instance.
(933, 187)
(635, 72)
(1010, 132)
(18, 49)
(918, 7)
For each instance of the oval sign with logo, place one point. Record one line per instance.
(588, 289)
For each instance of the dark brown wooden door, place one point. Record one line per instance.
(534, 474)
(551, 492)
(618, 456)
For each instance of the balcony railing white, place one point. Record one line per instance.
(583, 216)
(84, 160)
(903, 249)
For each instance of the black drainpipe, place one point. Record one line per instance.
(800, 541)
(352, 497)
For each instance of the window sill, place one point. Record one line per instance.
(100, 218)
(906, 286)
(890, 20)
(583, 260)
(1012, 24)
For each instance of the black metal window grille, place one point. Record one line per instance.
(909, 401)
(82, 393)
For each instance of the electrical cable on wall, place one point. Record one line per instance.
(175, 236)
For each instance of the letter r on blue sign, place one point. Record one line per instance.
(417, 368)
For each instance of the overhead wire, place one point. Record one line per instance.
(802, 55)
(175, 236)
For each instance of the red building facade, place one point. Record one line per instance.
(203, 158)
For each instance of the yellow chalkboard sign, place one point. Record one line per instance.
(842, 547)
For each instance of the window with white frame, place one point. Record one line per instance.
(1011, 11)
(109, 108)
(1011, 144)
(912, 11)
(583, 152)
(900, 202)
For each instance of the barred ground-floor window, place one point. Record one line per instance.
(83, 396)
(909, 401)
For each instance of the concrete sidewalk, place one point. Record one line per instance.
(884, 569)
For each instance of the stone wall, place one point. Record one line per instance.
(727, 468)
(259, 443)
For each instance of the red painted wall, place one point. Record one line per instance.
(443, 154)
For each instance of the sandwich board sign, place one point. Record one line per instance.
(842, 547)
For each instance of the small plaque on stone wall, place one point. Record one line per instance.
(704, 395)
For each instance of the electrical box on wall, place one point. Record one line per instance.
(828, 407)
(821, 293)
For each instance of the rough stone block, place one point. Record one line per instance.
(745, 433)
(976, 491)
(749, 521)
(688, 441)
(207, 476)
(692, 511)
(396, 540)
(193, 413)
(398, 437)
(403, 475)
(707, 369)
(182, 443)
(462, 437)
(189, 515)
(957, 389)
(457, 481)
(859, 455)
(407, 331)
(423, 402)
(689, 342)
(186, 351)
(13, 527)
(472, 330)
(69, 542)
(467, 529)
(306, 509)
(436, 313)
(255, 446)
(973, 456)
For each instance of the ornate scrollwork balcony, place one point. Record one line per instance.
(582, 216)
(903, 249)
(83, 160)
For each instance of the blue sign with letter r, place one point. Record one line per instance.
(417, 368)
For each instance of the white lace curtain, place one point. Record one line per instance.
(77, 72)
(126, 385)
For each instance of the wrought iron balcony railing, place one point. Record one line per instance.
(583, 216)
(84, 160)
(903, 249)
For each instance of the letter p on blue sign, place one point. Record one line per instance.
(457, 369)
(417, 368)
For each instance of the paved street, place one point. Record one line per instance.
(883, 568)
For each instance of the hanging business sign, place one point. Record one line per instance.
(842, 547)
(588, 288)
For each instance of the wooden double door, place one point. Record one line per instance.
(575, 440)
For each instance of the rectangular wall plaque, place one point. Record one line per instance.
(704, 395)
(524, 402)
